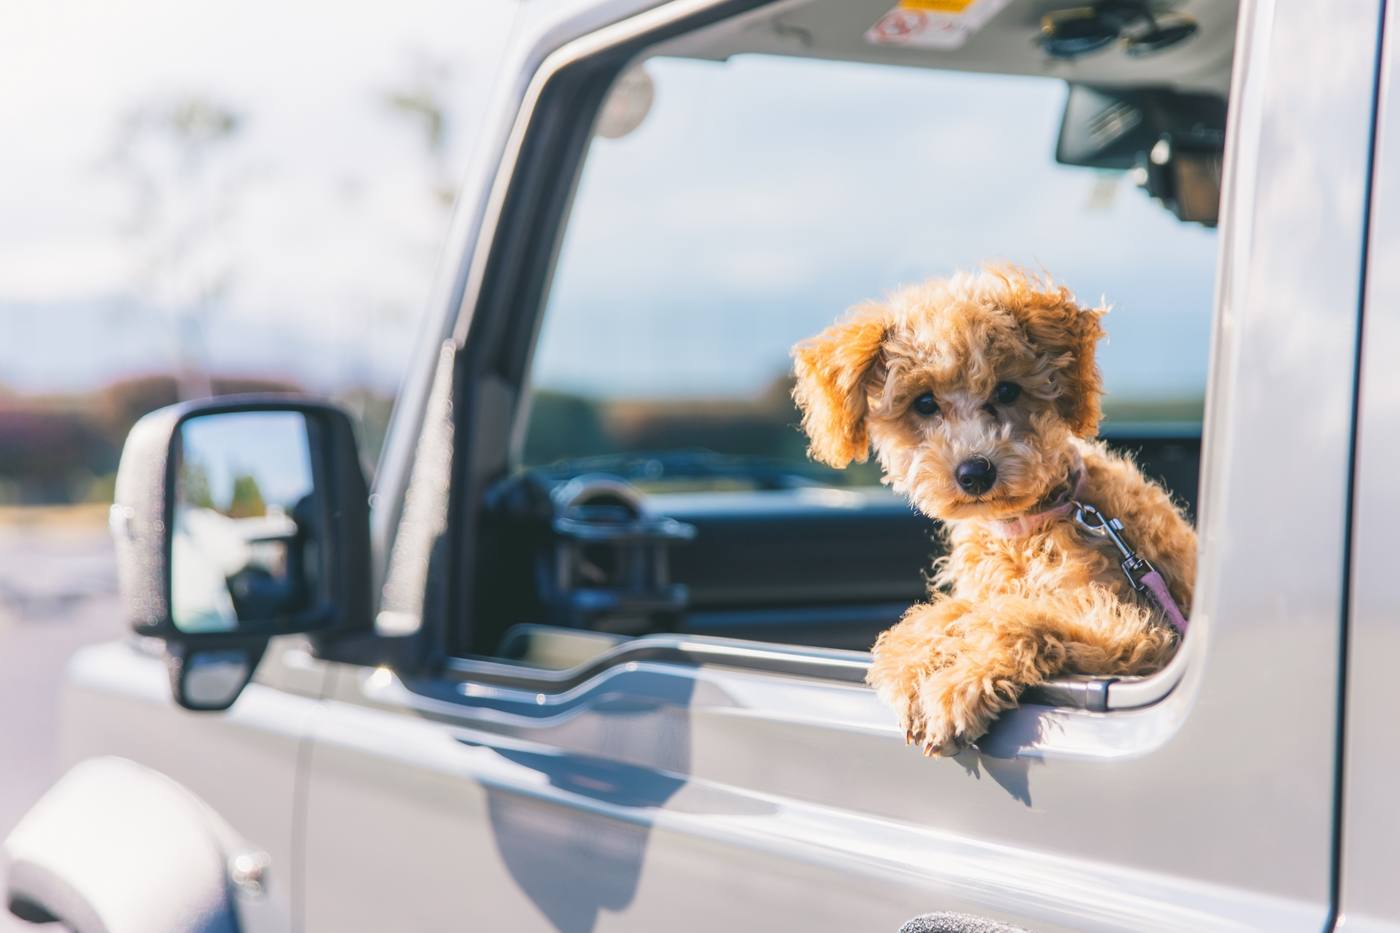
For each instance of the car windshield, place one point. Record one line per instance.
(760, 197)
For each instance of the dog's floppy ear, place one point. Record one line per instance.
(831, 373)
(1066, 333)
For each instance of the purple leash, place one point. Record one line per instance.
(1144, 577)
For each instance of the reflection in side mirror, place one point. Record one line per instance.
(210, 679)
(246, 521)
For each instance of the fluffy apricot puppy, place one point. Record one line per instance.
(980, 395)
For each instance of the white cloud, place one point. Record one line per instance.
(62, 270)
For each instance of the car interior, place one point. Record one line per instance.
(789, 560)
(590, 551)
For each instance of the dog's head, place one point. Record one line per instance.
(969, 389)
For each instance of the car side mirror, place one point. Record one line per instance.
(238, 519)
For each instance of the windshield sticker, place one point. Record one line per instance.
(933, 24)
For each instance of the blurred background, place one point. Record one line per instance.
(200, 199)
(195, 199)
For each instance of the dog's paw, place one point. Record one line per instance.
(901, 687)
(934, 740)
(923, 671)
(950, 709)
(929, 725)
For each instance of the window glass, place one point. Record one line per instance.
(762, 196)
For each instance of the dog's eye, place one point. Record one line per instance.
(1006, 393)
(926, 404)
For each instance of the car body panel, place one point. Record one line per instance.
(651, 788)
(244, 763)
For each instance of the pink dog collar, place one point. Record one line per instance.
(1058, 505)
(1064, 503)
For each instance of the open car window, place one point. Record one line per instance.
(760, 197)
(733, 201)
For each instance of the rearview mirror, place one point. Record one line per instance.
(1173, 142)
(236, 520)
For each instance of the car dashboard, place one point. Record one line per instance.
(635, 551)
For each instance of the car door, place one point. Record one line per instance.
(685, 782)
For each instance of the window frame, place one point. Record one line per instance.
(498, 319)
(534, 191)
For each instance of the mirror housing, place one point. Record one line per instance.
(252, 564)
(209, 679)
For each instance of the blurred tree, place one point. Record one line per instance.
(194, 480)
(175, 155)
(564, 425)
(247, 498)
(420, 98)
(116, 406)
(372, 409)
(47, 453)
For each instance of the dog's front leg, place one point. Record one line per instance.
(950, 667)
(912, 655)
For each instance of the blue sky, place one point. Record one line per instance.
(273, 447)
(759, 199)
(762, 197)
(318, 215)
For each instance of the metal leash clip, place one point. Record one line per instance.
(1101, 526)
(1140, 573)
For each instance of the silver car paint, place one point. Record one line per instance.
(664, 794)
(244, 764)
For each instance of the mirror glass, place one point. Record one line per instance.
(213, 679)
(245, 520)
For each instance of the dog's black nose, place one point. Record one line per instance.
(976, 475)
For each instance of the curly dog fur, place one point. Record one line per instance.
(1018, 600)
